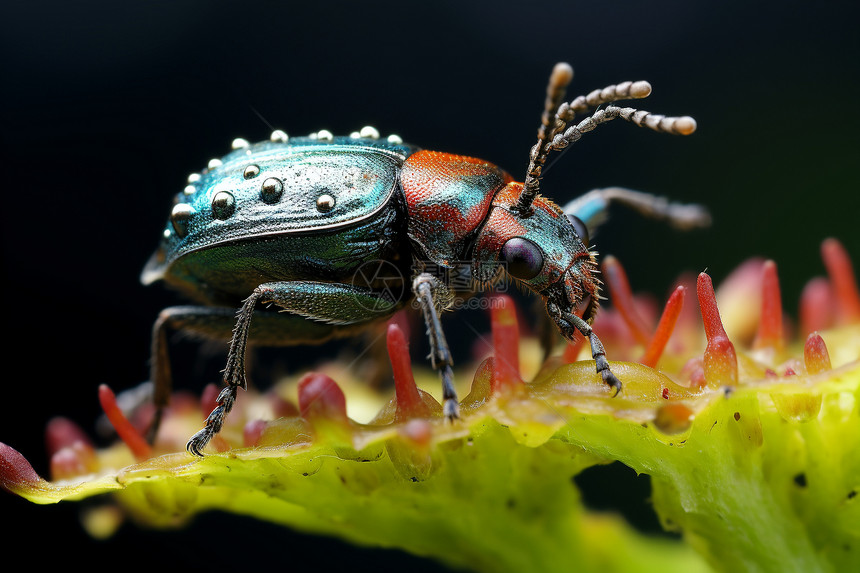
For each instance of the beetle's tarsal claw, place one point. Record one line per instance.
(451, 409)
(197, 442)
(214, 422)
(598, 353)
(611, 380)
(602, 365)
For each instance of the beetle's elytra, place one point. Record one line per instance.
(293, 221)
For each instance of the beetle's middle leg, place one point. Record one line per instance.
(315, 302)
(427, 291)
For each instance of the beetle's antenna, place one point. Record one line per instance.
(597, 98)
(684, 125)
(590, 102)
(557, 116)
(559, 79)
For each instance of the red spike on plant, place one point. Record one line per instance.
(697, 378)
(815, 354)
(841, 273)
(401, 319)
(506, 343)
(71, 451)
(622, 299)
(419, 432)
(770, 332)
(63, 433)
(816, 306)
(16, 473)
(321, 397)
(670, 315)
(409, 402)
(720, 360)
(694, 371)
(124, 429)
(252, 431)
(282, 408)
(75, 460)
(209, 399)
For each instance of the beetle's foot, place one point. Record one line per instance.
(214, 422)
(451, 409)
(612, 380)
(199, 441)
(606, 373)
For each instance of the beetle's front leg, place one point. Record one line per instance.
(318, 302)
(427, 291)
(597, 351)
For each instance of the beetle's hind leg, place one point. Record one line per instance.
(316, 309)
(430, 293)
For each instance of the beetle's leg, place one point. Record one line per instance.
(592, 208)
(330, 303)
(209, 321)
(427, 291)
(597, 351)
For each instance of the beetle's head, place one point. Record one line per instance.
(543, 250)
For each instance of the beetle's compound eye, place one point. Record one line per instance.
(523, 259)
(580, 228)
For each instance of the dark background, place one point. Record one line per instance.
(107, 106)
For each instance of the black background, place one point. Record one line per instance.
(107, 106)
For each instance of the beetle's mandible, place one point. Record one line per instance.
(294, 221)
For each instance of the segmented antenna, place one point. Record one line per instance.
(551, 124)
(558, 115)
(684, 125)
(609, 94)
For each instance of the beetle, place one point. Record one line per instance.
(294, 221)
